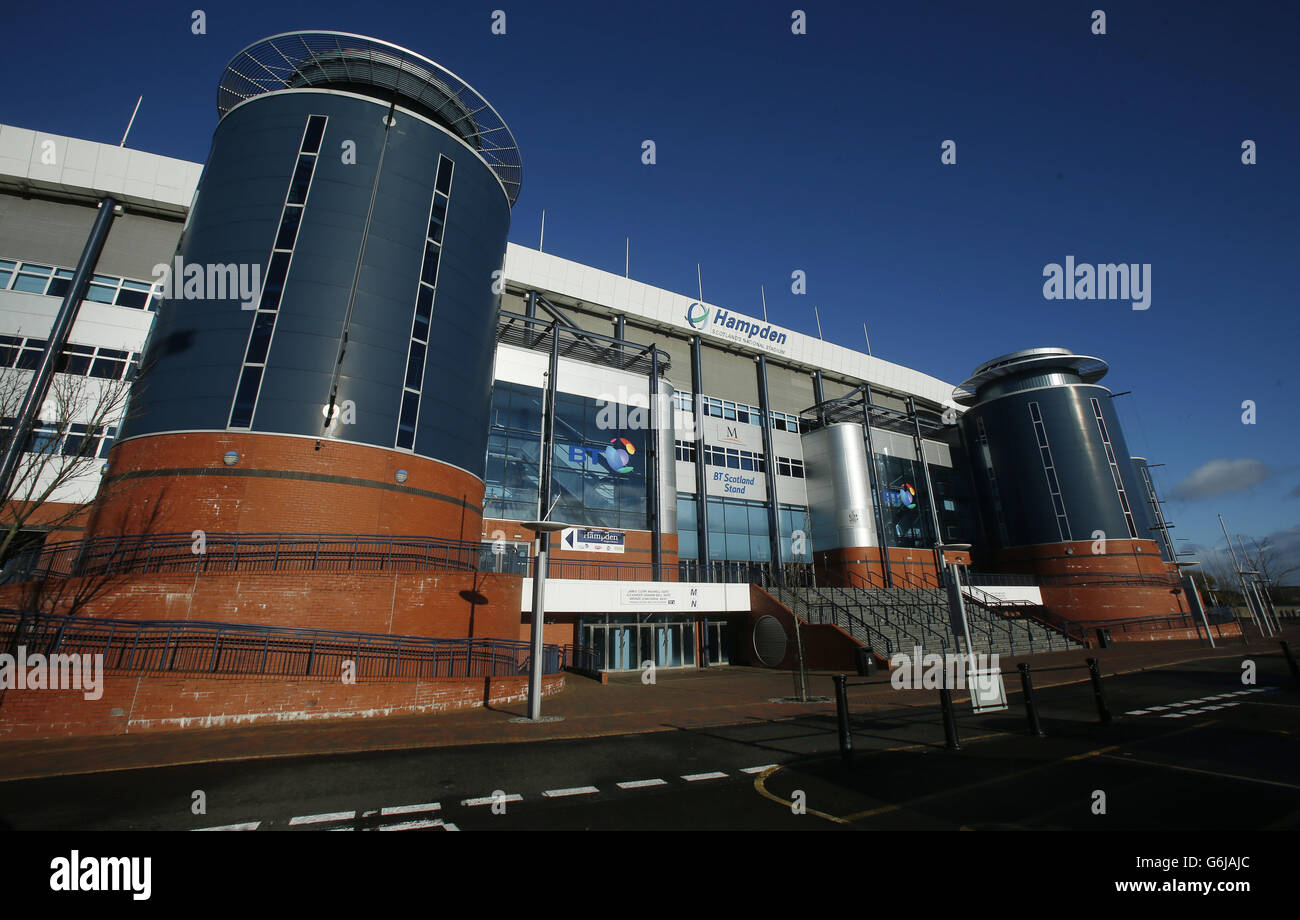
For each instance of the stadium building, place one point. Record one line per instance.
(349, 394)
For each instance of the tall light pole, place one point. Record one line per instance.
(1197, 594)
(543, 530)
(1265, 602)
(1241, 580)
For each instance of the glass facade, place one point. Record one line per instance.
(738, 530)
(598, 473)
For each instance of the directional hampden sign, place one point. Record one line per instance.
(987, 692)
(588, 540)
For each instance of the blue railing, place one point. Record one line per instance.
(219, 553)
(189, 647)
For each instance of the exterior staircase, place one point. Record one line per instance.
(890, 620)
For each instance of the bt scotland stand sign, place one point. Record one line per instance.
(735, 327)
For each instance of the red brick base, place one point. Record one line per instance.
(134, 703)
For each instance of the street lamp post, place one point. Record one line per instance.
(1197, 594)
(955, 602)
(543, 529)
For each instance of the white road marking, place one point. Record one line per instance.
(641, 783)
(1174, 715)
(321, 819)
(489, 799)
(696, 777)
(576, 790)
(766, 766)
(1156, 708)
(450, 827)
(412, 825)
(1136, 712)
(408, 809)
(249, 826)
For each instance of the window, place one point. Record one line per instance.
(685, 451)
(31, 278)
(426, 290)
(262, 328)
(789, 466)
(76, 359)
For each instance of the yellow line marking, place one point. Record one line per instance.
(1181, 769)
(760, 781)
(761, 788)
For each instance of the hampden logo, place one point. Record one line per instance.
(736, 328)
(697, 314)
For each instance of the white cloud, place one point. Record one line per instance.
(1221, 477)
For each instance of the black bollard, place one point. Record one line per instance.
(842, 713)
(1031, 711)
(949, 720)
(1094, 672)
(1290, 662)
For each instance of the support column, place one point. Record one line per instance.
(39, 387)
(701, 480)
(769, 466)
(929, 486)
(548, 430)
(653, 498)
(882, 536)
(530, 310)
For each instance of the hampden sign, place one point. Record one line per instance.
(735, 327)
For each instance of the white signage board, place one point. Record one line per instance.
(987, 692)
(592, 540)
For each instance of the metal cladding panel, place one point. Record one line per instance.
(667, 463)
(839, 487)
(199, 345)
(1078, 455)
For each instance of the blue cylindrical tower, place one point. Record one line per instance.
(365, 192)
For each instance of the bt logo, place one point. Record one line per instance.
(617, 455)
(904, 495)
(697, 314)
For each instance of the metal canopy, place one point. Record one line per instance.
(849, 407)
(388, 72)
(1029, 360)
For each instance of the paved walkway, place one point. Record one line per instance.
(677, 700)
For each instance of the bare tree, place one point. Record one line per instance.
(62, 451)
(1266, 558)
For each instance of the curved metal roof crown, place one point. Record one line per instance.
(1028, 360)
(341, 60)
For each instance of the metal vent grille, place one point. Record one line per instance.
(770, 643)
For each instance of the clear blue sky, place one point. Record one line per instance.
(821, 152)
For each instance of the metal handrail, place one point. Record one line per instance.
(215, 553)
(236, 648)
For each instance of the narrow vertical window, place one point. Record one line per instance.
(277, 270)
(422, 315)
